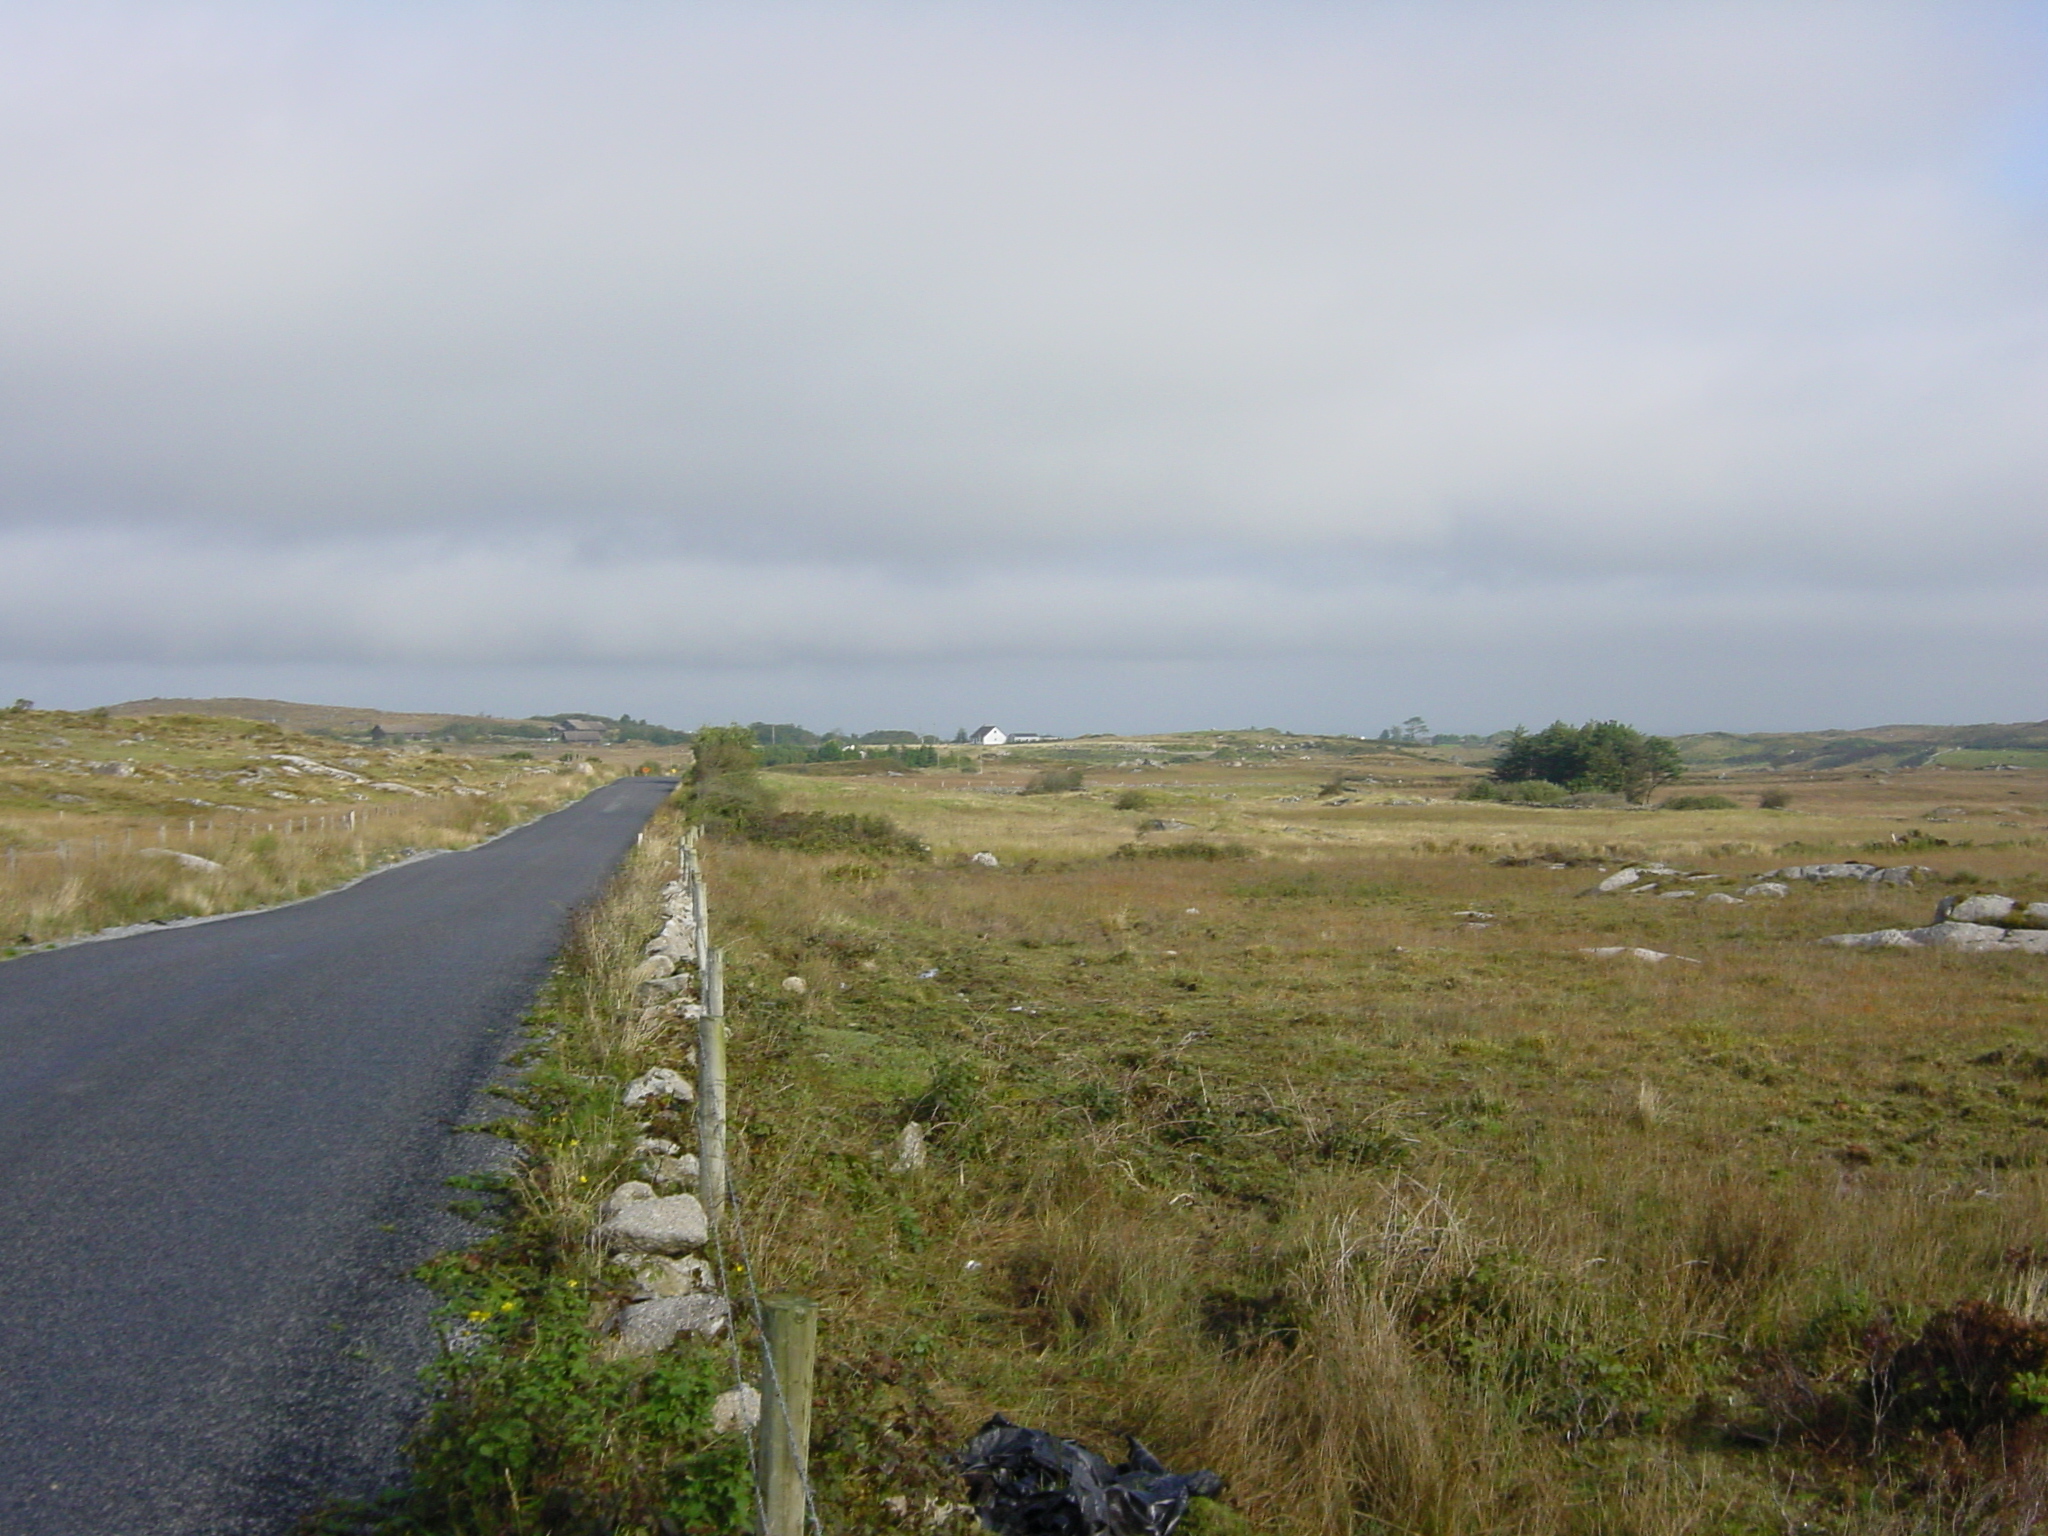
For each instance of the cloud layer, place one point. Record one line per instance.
(879, 338)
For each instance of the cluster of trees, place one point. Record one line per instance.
(779, 744)
(1599, 755)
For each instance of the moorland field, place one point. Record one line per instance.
(1303, 1141)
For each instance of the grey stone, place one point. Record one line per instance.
(626, 1194)
(188, 860)
(660, 987)
(1823, 872)
(671, 1170)
(2032, 941)
(910, 1149)
(658, 1275)
(1974, 909)
(1771, 888)
(1678, 895)
(114, 770)
(1899, 874)
(1722, 899)
(1619, 879)
(649, 1327)
(659, 1083)
(653, 968)
(655, 1146)
(1883, 938)
(1965, 936)
(1621, 951)
(795, 986)
(2037, 911)
(657, 1224)
(736, 1411)
(985, 860)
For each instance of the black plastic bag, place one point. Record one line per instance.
(1025, 1482)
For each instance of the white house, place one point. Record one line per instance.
(989, 736)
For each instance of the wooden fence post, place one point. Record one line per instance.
(785, 1433)
(711, 1169)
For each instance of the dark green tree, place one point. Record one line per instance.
(1599, 755)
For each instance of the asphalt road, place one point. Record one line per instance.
(222, 1149)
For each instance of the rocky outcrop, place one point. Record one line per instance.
(1871, 874)
(1969, 924)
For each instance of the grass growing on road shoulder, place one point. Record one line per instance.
(533, 1430)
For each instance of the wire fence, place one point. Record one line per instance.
(784, 1405)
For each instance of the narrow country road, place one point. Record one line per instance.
(222, 1149)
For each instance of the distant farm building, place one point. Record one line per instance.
(989, 736)
(579, 732)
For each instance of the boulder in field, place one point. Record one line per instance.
(188, 860)
(1974, 909)
(1883, 938)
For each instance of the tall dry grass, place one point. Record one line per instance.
(59, 879)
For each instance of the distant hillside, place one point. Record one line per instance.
(333, 719)
(1883, 746)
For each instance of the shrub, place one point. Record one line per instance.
(1054, 781)
(1698, 803)
(1973, 1367)
(817, 831)
(1133, 800)
(1197, 849)
(1773, 800)
(1522, 792)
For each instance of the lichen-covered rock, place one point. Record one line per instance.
(680, 1169)
(1974, 909)
(656, 1274)
(648, 1327)
(736, 1411)
(1775, 889)
(659, 1083)
(1959, 935)
(1883, 938)
(625, 1195)
(910, 1149)
(654, 1224)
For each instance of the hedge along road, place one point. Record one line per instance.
(222, 1149)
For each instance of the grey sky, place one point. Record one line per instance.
(1088, 365)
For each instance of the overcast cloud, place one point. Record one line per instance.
(1079, 366)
